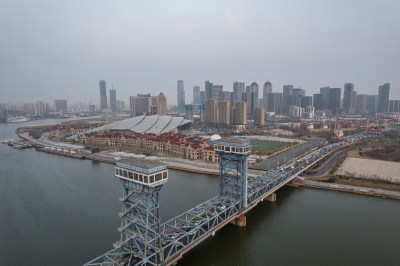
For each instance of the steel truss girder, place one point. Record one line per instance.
(204, 217)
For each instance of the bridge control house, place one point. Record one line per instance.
(143, 172)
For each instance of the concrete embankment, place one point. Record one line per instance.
(350, 189)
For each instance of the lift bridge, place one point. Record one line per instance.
(145, 241)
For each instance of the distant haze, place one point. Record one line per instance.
(61, 49)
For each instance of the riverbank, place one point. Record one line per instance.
(349, 189)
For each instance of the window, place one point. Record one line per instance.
(116, 171)
(152, 179)
(227, 148)
(125, 173)
(240, 149)
(233, 149)
(146, 179)
(130, 175)
(165, 175)
(140, 178)
(135, 177)
(158, 177)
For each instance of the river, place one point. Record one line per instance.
(56, 210)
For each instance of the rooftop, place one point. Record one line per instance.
(142, 163)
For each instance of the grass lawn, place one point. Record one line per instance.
(264, 145)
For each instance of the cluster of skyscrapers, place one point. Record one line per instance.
(244, 102)
(103, 98)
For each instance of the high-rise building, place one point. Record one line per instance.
(259, 116)
(103, 95)
(275, 103)
(324, 91)
(295, 98)
(181, 95)
(217, 89)
(189, 112)
(60, 106)
(209, 89)
(361, 103)
(113, 100)
(238, 89)
(240, 113)
(161, 104)
(196, 95)
(348, 98)
(145, 104)
(224, 112)
(334, 97)
(39, 108)
(254, 89)
(383, 94)
(3, 112)
(267, 88)
(306, 101)
(287, 92)
(372, 104)
(211, 111)
(203, 97)
(391, 106)
(318, 102)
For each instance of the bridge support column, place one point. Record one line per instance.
(240, 221)
(271, 197)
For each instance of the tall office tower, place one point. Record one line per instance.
(224, 112)
(103, 95)
(383, 94)
(306, 101)
(113, 100)
(238, 89)
(248, 97)
(196, 95)
(254, 89)
(216, 91)
(361, 104)
(60, 106)
(259, 116)
(181, 95)
(348, 98)
(334, 97)
(267, 88)
(161, 104)
(39, 108)
(318, 102)
(295, 99)
(240, 114)
(209, 89)
(211, 111)
(287, 92)
(372, 104)
(202, 97)
(275, 103)
(324, 91)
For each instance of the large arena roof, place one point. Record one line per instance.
(155, 124)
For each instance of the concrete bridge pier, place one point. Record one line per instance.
(271, 197)
(240, 221)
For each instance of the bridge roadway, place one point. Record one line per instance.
(184, 232)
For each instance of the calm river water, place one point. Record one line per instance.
(56, 210)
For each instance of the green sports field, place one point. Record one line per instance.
(265, 145)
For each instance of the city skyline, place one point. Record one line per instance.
(53, 50)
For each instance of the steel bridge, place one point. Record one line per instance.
(152, 243)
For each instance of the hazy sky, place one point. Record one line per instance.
(61, 49)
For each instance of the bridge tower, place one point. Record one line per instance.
(233, 154)
(140, 242)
